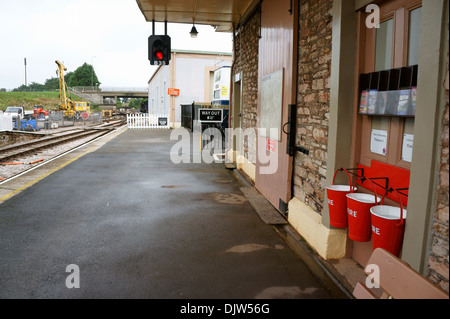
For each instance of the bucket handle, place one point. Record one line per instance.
(400, 202)
(363, 179)
(352, 188)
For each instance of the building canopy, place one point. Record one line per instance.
(221, 14)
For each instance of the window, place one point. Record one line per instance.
(415, 16)
(383, 49)
(389, 139)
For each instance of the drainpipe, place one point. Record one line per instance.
(230, 112)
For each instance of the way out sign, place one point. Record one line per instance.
(210, 115)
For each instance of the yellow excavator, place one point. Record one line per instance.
(66, 104)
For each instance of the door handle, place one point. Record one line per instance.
(284, 126)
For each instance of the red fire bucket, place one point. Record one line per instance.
(337, 201)
(359, 220)
(388, 226)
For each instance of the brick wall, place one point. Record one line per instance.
(246, 61)
(314, 73)
(438, 270)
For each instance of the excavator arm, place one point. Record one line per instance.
(65, 102)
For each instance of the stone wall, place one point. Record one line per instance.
(438, 270)
(9, 138)
(246, 61)
(314, 73)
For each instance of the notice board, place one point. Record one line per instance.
(272, 105)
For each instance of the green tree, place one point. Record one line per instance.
(52, 84)
(34, 87)
(83, 76)
(135, 103)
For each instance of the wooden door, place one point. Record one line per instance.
(277, 90)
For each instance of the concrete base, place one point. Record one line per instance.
(328, 243)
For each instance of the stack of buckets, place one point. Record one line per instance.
(366, 217)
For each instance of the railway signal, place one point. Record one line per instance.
(159, 49)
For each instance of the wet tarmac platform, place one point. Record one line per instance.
(137, 225)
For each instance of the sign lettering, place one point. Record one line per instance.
(375, 230)
(210, 115)
(352, 212)
(173, 92)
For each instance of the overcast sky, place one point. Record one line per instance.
(110, 34)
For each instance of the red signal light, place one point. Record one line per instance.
(159, 55)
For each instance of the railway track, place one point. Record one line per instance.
(20, 150)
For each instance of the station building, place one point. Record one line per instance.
(303, 68)
(188, 78)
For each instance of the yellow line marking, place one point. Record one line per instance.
(20, 189)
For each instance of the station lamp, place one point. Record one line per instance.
(193, 32)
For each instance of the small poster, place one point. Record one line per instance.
(364, 102)
(378, 142)
(223, 91)
(372, 101)
(407, 149)
(272, 87)
(403, 101)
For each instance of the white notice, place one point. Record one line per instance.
(272, 105)
(378, 142)
(408, 143)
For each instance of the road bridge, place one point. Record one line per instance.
(108, 95)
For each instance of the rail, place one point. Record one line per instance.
(18, 150)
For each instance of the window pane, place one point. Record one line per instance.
(383, 53)
(415, 17)
(380, 123)
(408, 140)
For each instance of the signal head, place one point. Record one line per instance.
(159, 49)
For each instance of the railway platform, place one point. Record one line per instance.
(137, 225)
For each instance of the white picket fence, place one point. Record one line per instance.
(148, 121)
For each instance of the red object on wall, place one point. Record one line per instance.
(270, 145)
(173, 92)
(398, 179)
